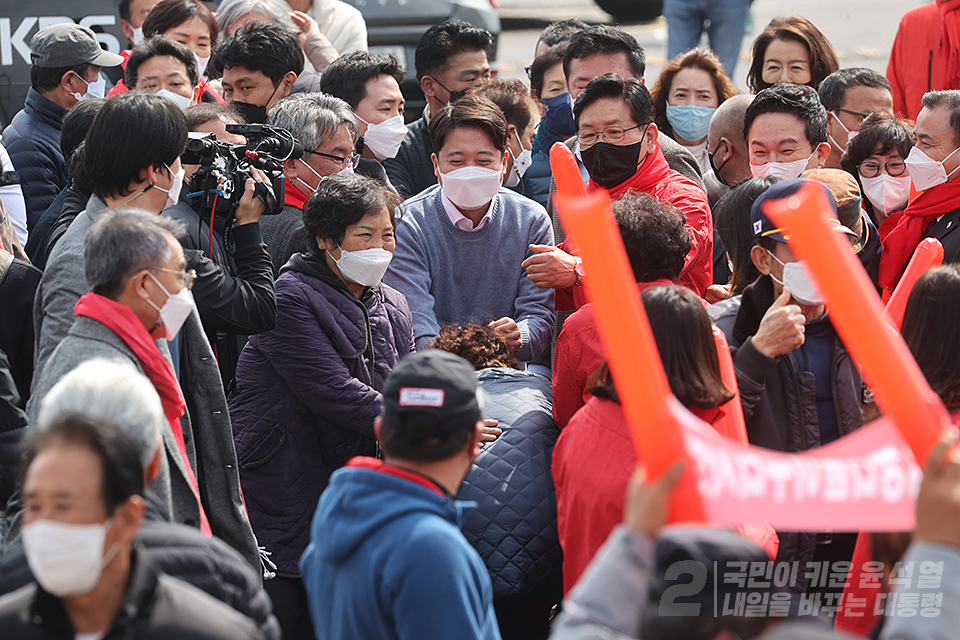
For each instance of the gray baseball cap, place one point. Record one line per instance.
(67, 45)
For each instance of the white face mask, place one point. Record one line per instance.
(173, 193)
(785, 170)
(311, 190)
(95, 89)
(925, 171)
(181, 101)
(471, 187)
(137, 35)
(364, 267)
(520, 164)
(384, 138)
(850, 134)
(66, 559)
(886, 193)
(201, 64)
(174, 311)
(797, 278)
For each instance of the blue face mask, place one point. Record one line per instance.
(689, 122)
(559, 118)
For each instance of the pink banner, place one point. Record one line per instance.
(867, 480)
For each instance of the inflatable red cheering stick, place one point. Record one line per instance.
(927, 255)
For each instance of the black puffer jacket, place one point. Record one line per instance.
(780, 401)
(514, 526)
(179, 551)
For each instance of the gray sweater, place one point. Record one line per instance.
(449, 274)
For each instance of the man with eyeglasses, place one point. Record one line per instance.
(328, 130)
(934, 165)
(849, 96)
(132, 163)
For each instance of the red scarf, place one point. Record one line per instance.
(901, 242)
(126, 325)
(293, 197)
(950, 34)
(653, 170)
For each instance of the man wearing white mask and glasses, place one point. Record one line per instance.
(849, 96)
(786, 131)
(460, 245)
(934, 165)
(83, 489)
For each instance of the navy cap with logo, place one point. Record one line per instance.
(763, 227)
(434, 392)
(69, 45)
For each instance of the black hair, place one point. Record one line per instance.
(44, 79)
(443, 41)
(946, 100)
(342, 200)
(160, 47)
(834, 87)
(557, 32)
(611, 85)
(654, 235)
(267, 48)
(731, 219)
(122, 473)
(76, 123)
(512, 97)
(124, 9)
(471, 111)
(347, 76)
(543, 63)
(605, 39)
(172, 13)
(200, 114)
(879, 134)
(795, 99)
(133, 131)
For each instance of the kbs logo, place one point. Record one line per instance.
(15, 36)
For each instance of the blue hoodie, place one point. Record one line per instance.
(387, 559)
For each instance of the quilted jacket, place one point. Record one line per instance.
(306, 394)
(514, 526)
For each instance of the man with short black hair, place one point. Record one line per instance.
(65, 67)
(260, 64)
(387, 558)
(557, 32)
(849, 96)
(370, 84)
(786, 131)
(451, 57)
(166, 68)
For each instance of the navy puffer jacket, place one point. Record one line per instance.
(306, 394)
(514, 526)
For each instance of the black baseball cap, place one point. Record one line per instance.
(434, 392)
(763, 227)
(67, 45)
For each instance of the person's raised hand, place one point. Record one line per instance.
(550, 267)
(307, 25)
(489, 431)
(508, 332)
(647, 504)
(250, 207)
(938, 505)
(781, 329)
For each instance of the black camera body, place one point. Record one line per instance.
(217, 186)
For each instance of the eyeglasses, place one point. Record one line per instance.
(588, 137)
(353, 159)
(859, 116)
(871, 169)
(186, 277)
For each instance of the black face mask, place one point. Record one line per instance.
(454, 95)
(252, 113)
(716, 169)
(610, 164)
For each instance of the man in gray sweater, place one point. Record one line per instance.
(460, 244)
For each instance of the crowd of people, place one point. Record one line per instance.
(275, 364)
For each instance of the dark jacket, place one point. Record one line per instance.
(945, 230)
(180, 552)
(306, 395)
(54, 223)
(156, 607)
(411, 171)
(538, 177)
(780, 401)
(17, 291)
(514, 526)
(33, 141)
(13, 424)
(234, 288)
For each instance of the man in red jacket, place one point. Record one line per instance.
(925, 55)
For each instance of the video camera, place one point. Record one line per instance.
(217, 185)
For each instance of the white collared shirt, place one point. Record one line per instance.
(461, 221)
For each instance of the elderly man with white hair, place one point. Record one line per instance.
(115, 392)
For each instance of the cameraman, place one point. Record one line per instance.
(234, 288)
